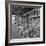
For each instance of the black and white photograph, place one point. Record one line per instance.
(25, 22)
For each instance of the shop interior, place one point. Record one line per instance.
(25, 22)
